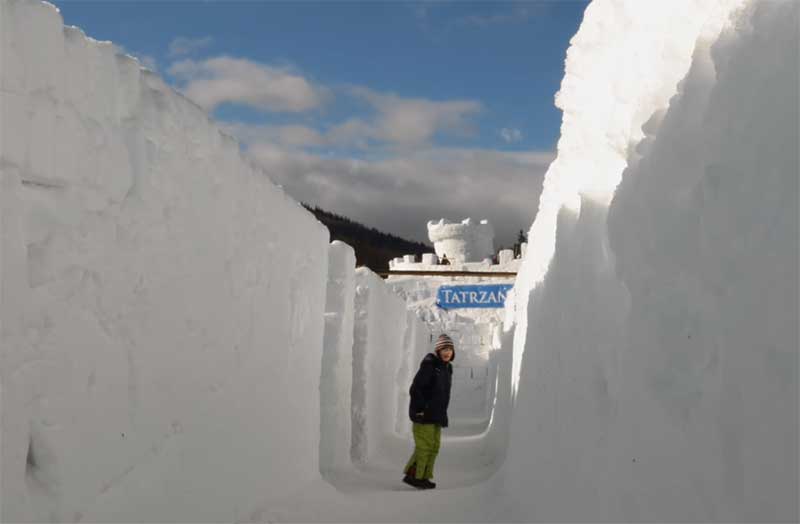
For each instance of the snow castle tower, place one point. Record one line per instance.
(467, 241)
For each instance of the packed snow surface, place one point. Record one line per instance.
(180, 342)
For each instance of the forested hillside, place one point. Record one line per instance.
(373, 248)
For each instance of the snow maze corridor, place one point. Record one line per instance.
(373, 344)
(181, 342)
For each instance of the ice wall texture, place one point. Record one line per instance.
(660, 373)
(162, 301)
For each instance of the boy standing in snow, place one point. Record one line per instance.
(430, 396)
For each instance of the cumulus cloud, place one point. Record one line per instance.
(185, 46)
(511, 135)
(353, 132)
(395, 122)
(414, 121)
(225, 79)
(398, 194)
(406, 180)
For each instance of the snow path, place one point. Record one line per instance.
(375, 493)
(463, 461)
(472, 452)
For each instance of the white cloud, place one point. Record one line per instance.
(353, 132)
(400, 193)
(411, 181)
(511, 135)
(397, 122)
(225, 79)
(184, 46)
(411, 121)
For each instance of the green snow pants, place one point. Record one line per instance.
(427, 439)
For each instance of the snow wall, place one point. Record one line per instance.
(417, 342)
(337, 360)
(164, 313)
(657, 358)
(387, 338)
(371, 350)
(162, 300)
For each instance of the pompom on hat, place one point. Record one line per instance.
(443, 342)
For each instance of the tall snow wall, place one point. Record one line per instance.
(162, 301)
(384, 335)
(417, 342)
(337, 360)
(658, 380)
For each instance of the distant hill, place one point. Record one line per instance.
(373, 248)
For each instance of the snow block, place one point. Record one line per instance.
(416, 339)
(380, 348)
(336, 381)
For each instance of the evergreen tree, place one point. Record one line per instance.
(373, 248)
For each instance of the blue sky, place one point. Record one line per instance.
(391, 113)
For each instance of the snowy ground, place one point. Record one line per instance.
(375, 493)
(471, 454)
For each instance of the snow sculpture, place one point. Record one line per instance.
(429, 259)
(462, 242)
(506, 256)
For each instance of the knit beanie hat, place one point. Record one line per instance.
(445, 342)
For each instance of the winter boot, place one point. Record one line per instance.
(414, 482)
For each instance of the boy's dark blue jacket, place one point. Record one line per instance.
(430, 391)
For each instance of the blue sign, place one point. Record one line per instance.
(451, 297)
